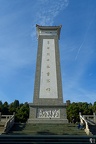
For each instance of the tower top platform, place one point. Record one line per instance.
(48, 30)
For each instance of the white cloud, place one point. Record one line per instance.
(49, 10)
(46, 12)
(15, 55)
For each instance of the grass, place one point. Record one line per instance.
(46, 129)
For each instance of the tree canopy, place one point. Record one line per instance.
(21, 110)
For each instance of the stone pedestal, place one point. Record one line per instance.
(47, 114)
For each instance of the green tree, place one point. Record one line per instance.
(12, 109)
(73, 112)
(94, 107)
(1, 106)
(23, 113)
(16, 104)
(5, 108)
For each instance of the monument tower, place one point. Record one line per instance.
(48, 106)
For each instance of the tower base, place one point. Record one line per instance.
(47, 114)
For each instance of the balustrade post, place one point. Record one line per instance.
(94, 117)
(79, 113)
(14, 113)
(6, 117)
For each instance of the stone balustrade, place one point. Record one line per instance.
(84, 121)
(88, 120)
(8, 121)
(90, 117)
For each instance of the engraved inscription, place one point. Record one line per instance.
(47, 42)
(49, 113)
(47, 89)
(48, 73)
(48, 66)
(48, 54)
(48, 80)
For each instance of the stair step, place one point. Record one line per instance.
(92, 129)
(46, 129)
(55, 139)
(32, 142)
(1, 126)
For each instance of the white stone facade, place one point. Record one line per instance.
(48, 79)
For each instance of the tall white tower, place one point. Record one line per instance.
(48, 103)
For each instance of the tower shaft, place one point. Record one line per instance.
(48, 106)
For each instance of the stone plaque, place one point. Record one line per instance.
(49, 113)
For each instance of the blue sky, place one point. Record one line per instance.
(18, 47)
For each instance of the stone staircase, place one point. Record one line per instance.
(92, 126)
(1, 129)
(92, 129)
(2, 124)
(6, 123)
(46, 134)
(43, 139)
(46, 129)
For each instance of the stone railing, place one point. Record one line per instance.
(9, 123)
(84, 121)
(90, 117)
